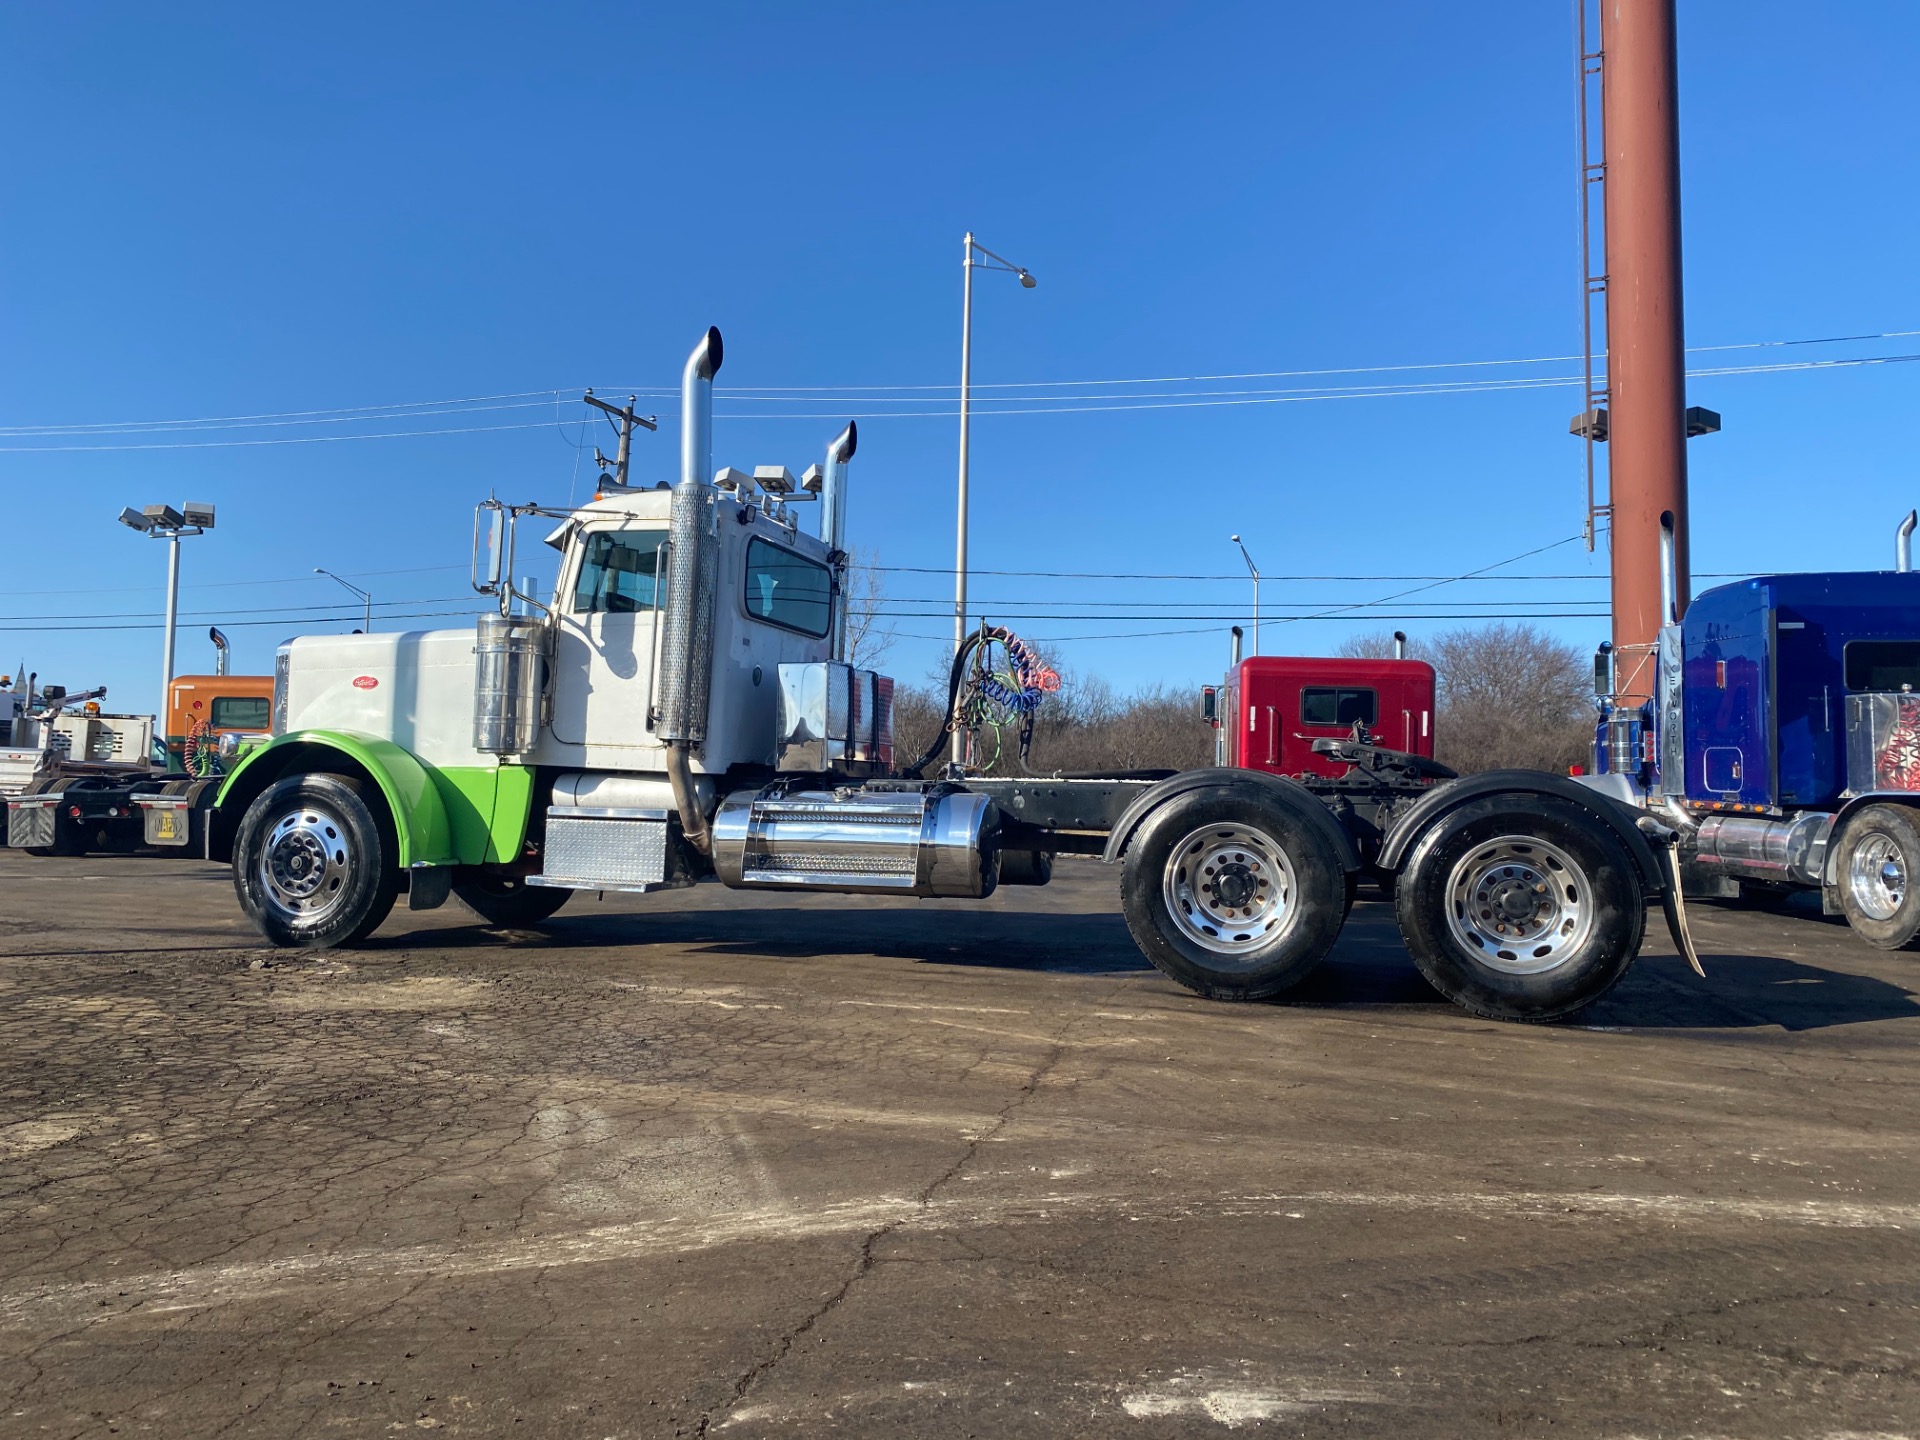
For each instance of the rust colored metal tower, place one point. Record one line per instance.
(1646, 344)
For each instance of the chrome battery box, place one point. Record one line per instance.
(834, 718)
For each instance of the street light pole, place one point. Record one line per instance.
(366, 597)
(968, 265)
(163, 522)
(1253, 570)
(966, 425)
(173, 613)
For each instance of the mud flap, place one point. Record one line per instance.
(1674, 903)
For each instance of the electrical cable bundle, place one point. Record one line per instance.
(197, 753)
(993, 693)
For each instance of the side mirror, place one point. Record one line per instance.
(1603, 670)
(494, 540)
(1210, 704)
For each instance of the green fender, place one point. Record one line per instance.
(418, 808)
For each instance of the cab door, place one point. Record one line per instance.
(604, 653)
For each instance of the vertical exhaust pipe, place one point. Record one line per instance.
(1669, 573)
(220, 649)
(1903, 542)
(1238, 635)
(1399, 644)
(696, 409)
(693, 564)
(833, 521)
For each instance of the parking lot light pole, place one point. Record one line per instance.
(366, 597)
(969, 264)
(163, 522)
(1253, 570)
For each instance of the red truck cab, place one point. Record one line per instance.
(1276, 706)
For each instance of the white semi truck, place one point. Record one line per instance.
(680, 713)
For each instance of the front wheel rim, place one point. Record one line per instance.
(1877, 876)
(1231, 891)
(1519, 905)
(305, 864)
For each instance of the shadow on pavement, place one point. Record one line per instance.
(1748, 991)
(1087, 944)
(1367, 967)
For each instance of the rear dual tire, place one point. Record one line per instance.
(1521, 907)
(1233, 893)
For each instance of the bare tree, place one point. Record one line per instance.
(869, 634)
(1374, 645)
(1510, 695)
(1084, 726)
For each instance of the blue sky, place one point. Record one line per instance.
(245, 211)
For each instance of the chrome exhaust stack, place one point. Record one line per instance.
(833, 521)
(220, 649)
(1903, 542)
(696, 408)
(1669, 572)
(1399, 644)
(693, 565)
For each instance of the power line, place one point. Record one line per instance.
(1015, 404)
(289, 417)
(278, 440)
(306, 579)
(290, 612)
(1297, 374)
(353, 619)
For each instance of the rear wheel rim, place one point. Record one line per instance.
(1231, 891)
(305, 864)
(1519, 905)
(1877, 876)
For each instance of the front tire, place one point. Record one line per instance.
(1521, 907)
(506, 901)
(1879, 873)
(1232, 894)
(312, 865)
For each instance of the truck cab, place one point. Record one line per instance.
(1784, 737)
(1279, 705)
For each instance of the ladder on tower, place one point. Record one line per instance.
(1591, 425)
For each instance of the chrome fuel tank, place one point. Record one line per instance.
(901, 842)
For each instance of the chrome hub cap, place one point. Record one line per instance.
(1877, 877)
(1230, 890)
(1521, 905)
(305, 863)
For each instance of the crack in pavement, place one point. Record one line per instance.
(866, 1261)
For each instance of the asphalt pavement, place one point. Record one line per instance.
(707, 1163)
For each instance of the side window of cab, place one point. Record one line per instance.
(619, 572)
(787, 589)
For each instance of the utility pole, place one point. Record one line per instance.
(622, 418)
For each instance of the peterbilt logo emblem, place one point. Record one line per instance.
(364, 682)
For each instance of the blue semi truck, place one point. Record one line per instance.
(1783, 742)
